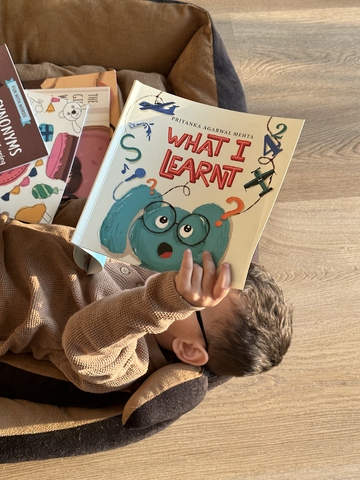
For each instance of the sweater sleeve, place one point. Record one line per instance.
(104, 342)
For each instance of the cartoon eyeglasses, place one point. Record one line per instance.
(160, 217)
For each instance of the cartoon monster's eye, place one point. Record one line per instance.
(162, 222)
(186, 230)
(159, 217)
(193, 229)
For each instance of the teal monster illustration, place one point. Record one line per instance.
(161, 232)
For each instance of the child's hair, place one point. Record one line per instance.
(259, 333)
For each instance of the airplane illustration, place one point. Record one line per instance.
(260, 180)
(159, 107)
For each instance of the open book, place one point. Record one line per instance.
(179, 174)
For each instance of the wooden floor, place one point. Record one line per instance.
(302, 421)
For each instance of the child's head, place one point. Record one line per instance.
(247, 333)
(257, 335)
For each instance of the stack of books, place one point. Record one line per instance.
(53, 138)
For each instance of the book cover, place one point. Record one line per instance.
(32, 192)
(95, 136)
(20, 139)
(178, 175)
(100, 79)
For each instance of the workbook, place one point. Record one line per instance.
(179, 174)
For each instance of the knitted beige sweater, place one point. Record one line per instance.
(95, 328)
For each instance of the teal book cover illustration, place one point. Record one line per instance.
(179, 174)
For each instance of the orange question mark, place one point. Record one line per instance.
(230, 213)
(153, 185)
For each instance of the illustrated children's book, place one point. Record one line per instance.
(32, 192)
(95, 136)
(93, 142)
(180, 174)
(100, 79)
(20, 139)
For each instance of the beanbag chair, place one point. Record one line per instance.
(166, 44)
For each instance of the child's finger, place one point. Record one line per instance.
(222, 286)
(186, 268)
(183, 277)
(209, 276)
(197, 277)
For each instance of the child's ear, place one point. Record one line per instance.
(193, 353)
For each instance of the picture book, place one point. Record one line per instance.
(20, 139)
(100, 79)
(95, 136)
(178, 175)
(32, 192)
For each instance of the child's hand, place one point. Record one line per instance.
(200, 286)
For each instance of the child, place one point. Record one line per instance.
(105, 331)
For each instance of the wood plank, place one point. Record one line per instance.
(304, 64)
